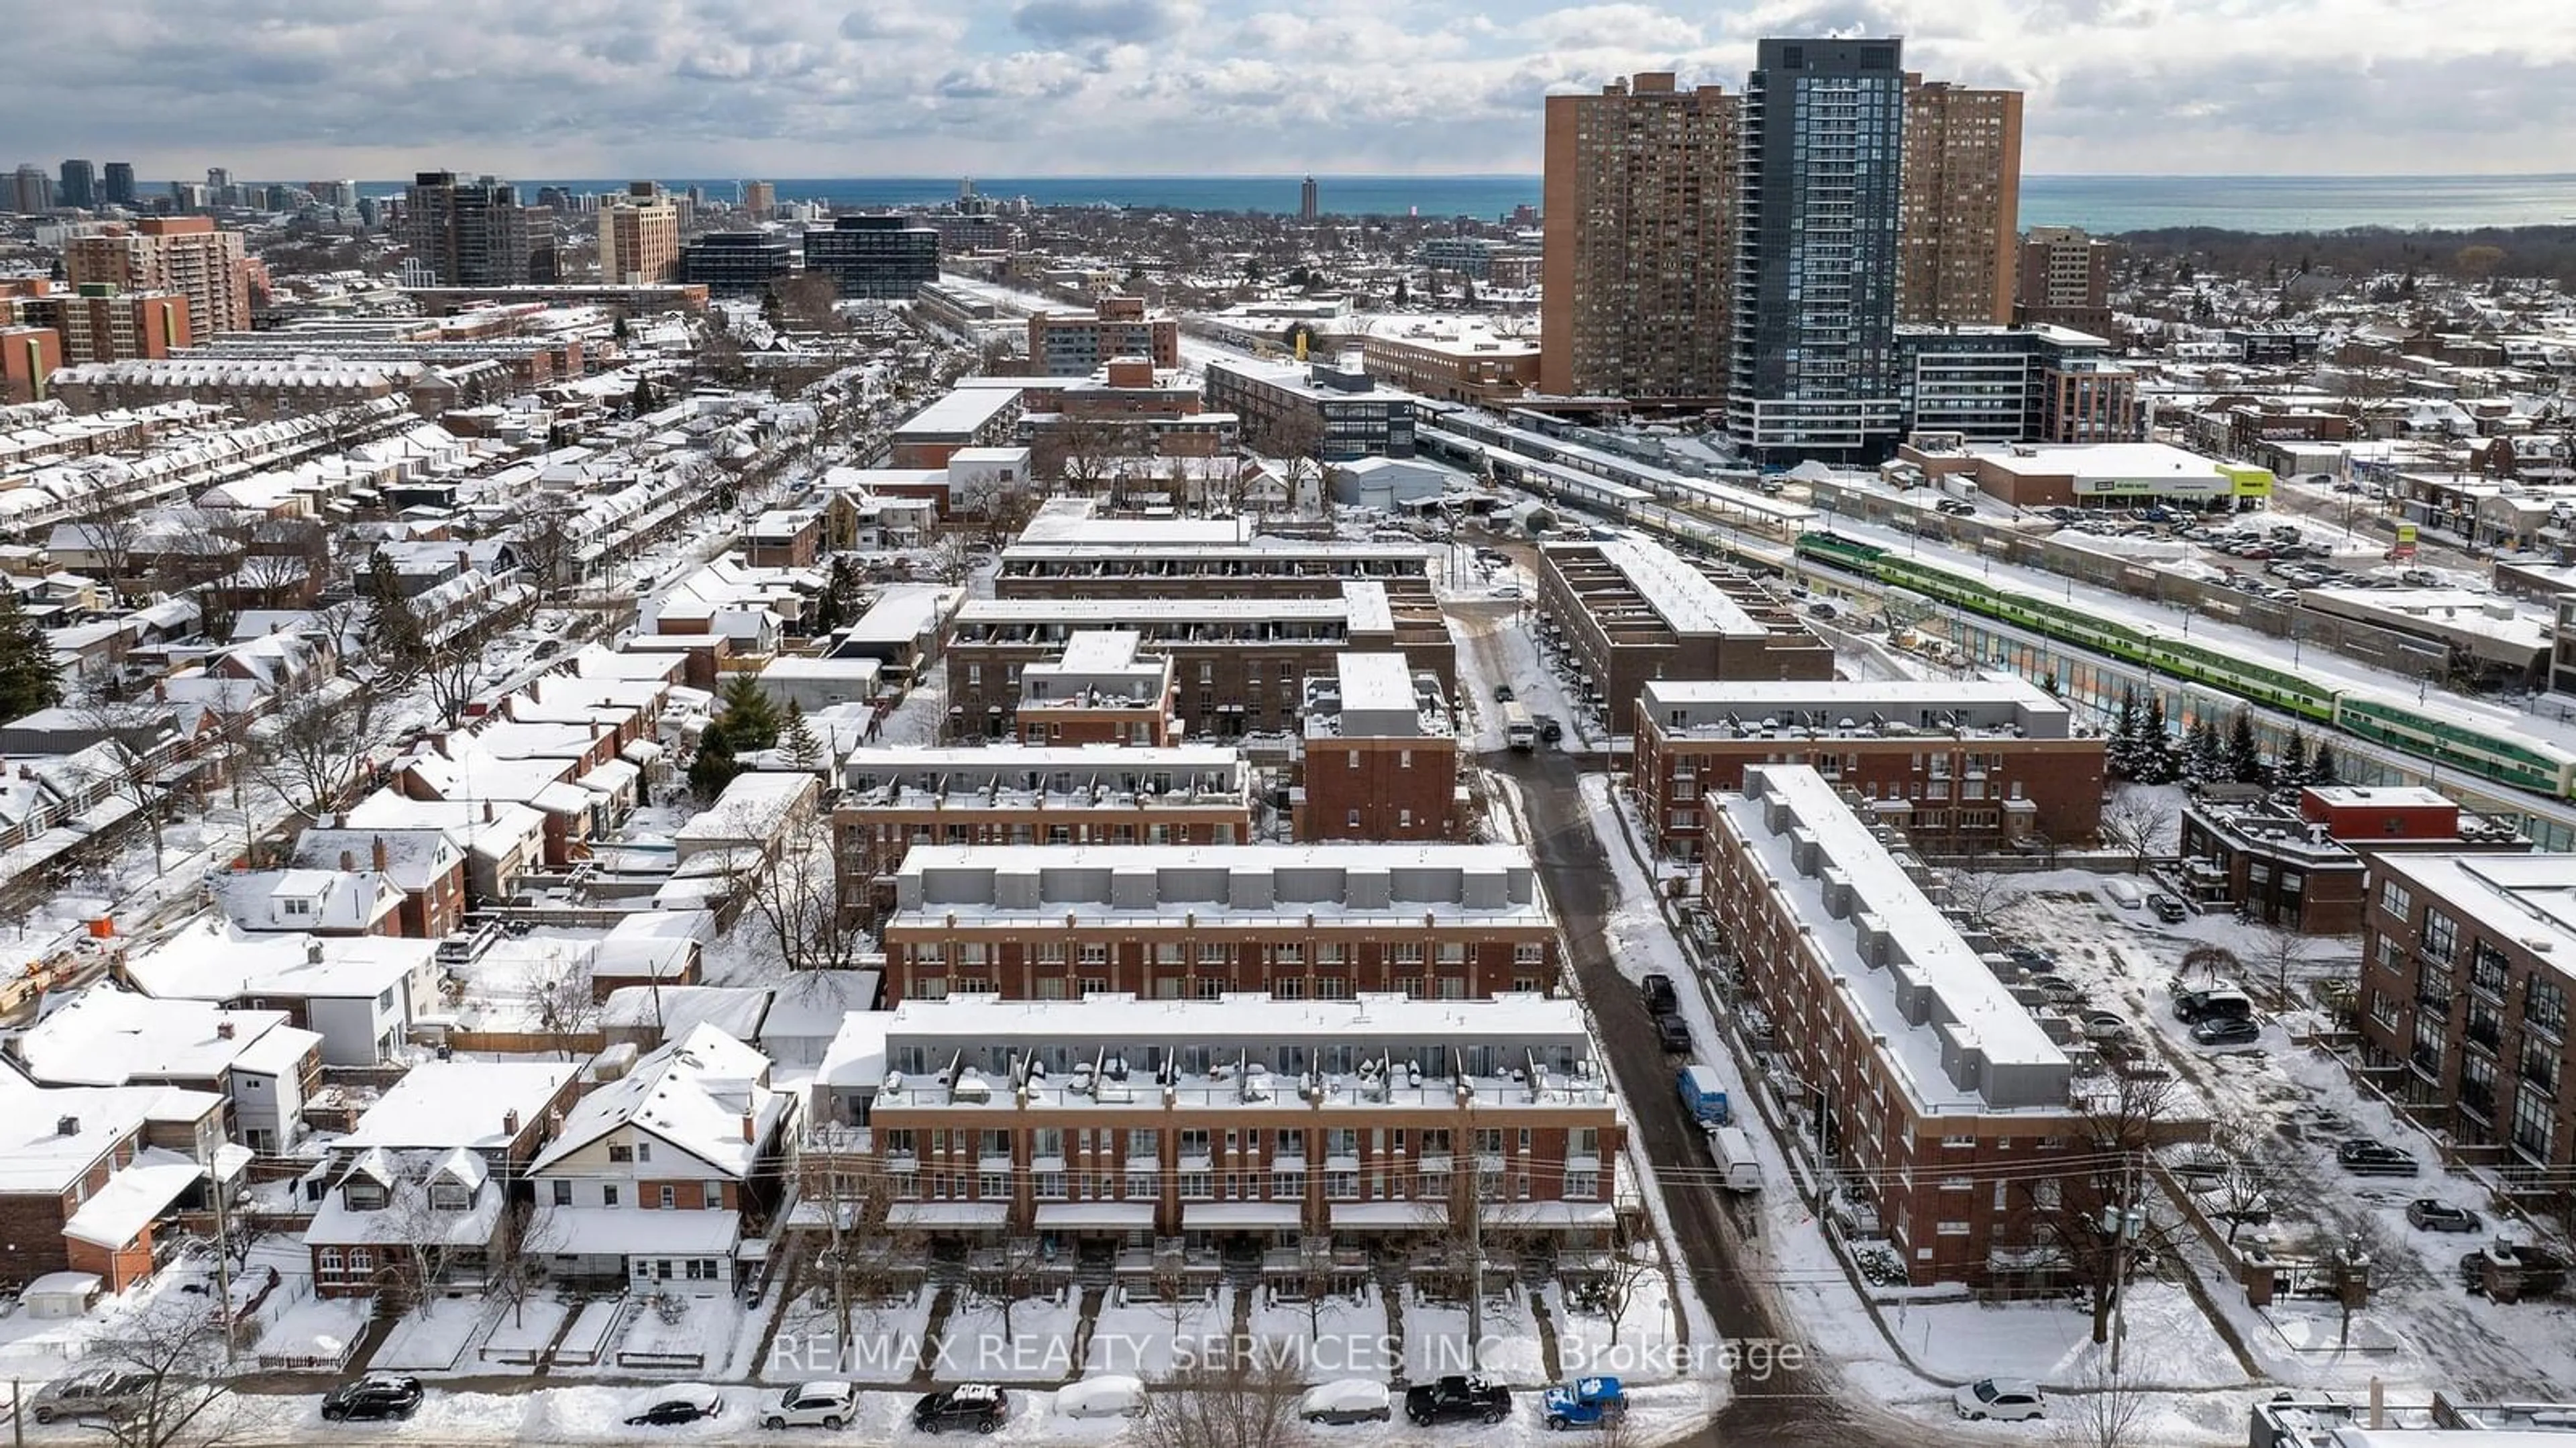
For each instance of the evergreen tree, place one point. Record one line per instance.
(618, 329)
(2292, 768)
(750, 721)
(393, 623)
(714, 767)
(804, 748)
(2244, 756)
(1403, 293)
(2120, 751)
(642, 398)
(2204, 759)
(2153, 757)
(2321, 765)
(29, 678)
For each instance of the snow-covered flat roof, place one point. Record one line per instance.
(459, 1103)
(1154, 610)
(2530, 898)
(1686, 599)
(1163, 884)
(2404, 796)
(2098, 459)
(1117, 1017)
(960, 413)
(37, 1153)
(106, 1037)
(1374, 683)
(1885, 944)
(881, 759)
(639, 1231)
(1992, 701)
(140, 1191)
(212, 961)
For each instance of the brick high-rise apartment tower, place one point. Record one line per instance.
(1956, 235)
(1639, 215)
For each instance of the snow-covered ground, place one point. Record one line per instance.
(1143, 1338)
(1498, 644)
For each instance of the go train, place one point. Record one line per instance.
(2381, 717)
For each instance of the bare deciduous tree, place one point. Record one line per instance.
(793, 900)
(2107, 1412)
(176, 1346)
(135, 732)
(452, 678)
(526, 1238)
(865, 1263)
(2137, 821)
(1241, 1398)
(2074, 1215)
(561, 999)
(309, 745)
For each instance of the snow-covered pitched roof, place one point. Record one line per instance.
(693, 1093)
(107, 1037)
(460, 1104)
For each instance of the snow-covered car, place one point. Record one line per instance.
(2057, 990)
(1110, 1395)
(2426, 1214)
(2226, 1031)
(981, 1407)
(98, 1393)
(2124, 893)
(676, 1406)
(1347, 1400)
(2003, 1399)
(811, 1405)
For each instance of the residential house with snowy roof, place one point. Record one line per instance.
(90, 1174)
(313, 902)
(264, 1068)
(656, 1171)
(361, 993)
(425, 868)
(502, 840)
(418, 1192)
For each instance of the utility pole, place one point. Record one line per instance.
(2122, 1224)
(223, 1270)
(1474, 1177)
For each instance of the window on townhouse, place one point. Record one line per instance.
(711, 1196)
(608, 1194)
(563, 1194)
(667, 1197)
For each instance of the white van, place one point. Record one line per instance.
(1737, 1169)
(2123, 893)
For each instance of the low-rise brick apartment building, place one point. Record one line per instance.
(1453, 361)
(1112, 1124)
(1378, 755)
(1102, 689)
(895, 797)
(1960, 765)
(97, 1174)
(1120, 422)
(1076, 344)
(1321, 922)
(1239, 665)
(2305, 866)
(2467, 962)
(1948, 1100)
(1630, 611)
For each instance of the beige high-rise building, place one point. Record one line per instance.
(1957, 240)
(759, 199)
(183, 254)
(638, 245)
(1639, 210)
(2065, 280)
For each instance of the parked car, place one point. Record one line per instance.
(1349, 1400)
(1584, 1403)
(686, 1407)
(2427, 1215)
(2005, 1399)
(1502, 693)
(812, 1405)
(1110, 1395)
(2168, 909)
(1505, 590)
(2214, 1003)
(1658, 991)
(979, 1406)
(2105, 1026)
(1549, 730)
(373, 1397)
(2365, 1157)
(2057, 990)
(2227, 1031)
(1456, 1399)
(97, 1393)
(1673, 1033)
(2124, 893)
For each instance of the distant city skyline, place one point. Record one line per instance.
(297, 89)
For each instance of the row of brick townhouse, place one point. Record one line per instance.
(1960, 765)
(1059, 922)
(1239, 665)
(2468, 961)
(1071, 549)
(1953, 1106)
(1245, 1120)
(1378, 755)
(894, 797)
(1627, 612)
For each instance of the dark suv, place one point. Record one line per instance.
(375, 1396)
(1658, 991)
(1457, 1399)
(977, 1406)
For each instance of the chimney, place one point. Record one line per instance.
(348, 861)
(510, 1123)
(750, 1127)
(378, 853)
(487, 811)
(223, 1030)
(313, 951)
(67, 1126)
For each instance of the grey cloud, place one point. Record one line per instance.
(1083, 22)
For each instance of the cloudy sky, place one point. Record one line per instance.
(298, 89)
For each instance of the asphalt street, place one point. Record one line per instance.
(1808, 1406)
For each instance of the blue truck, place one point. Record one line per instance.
(1704, 1095)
